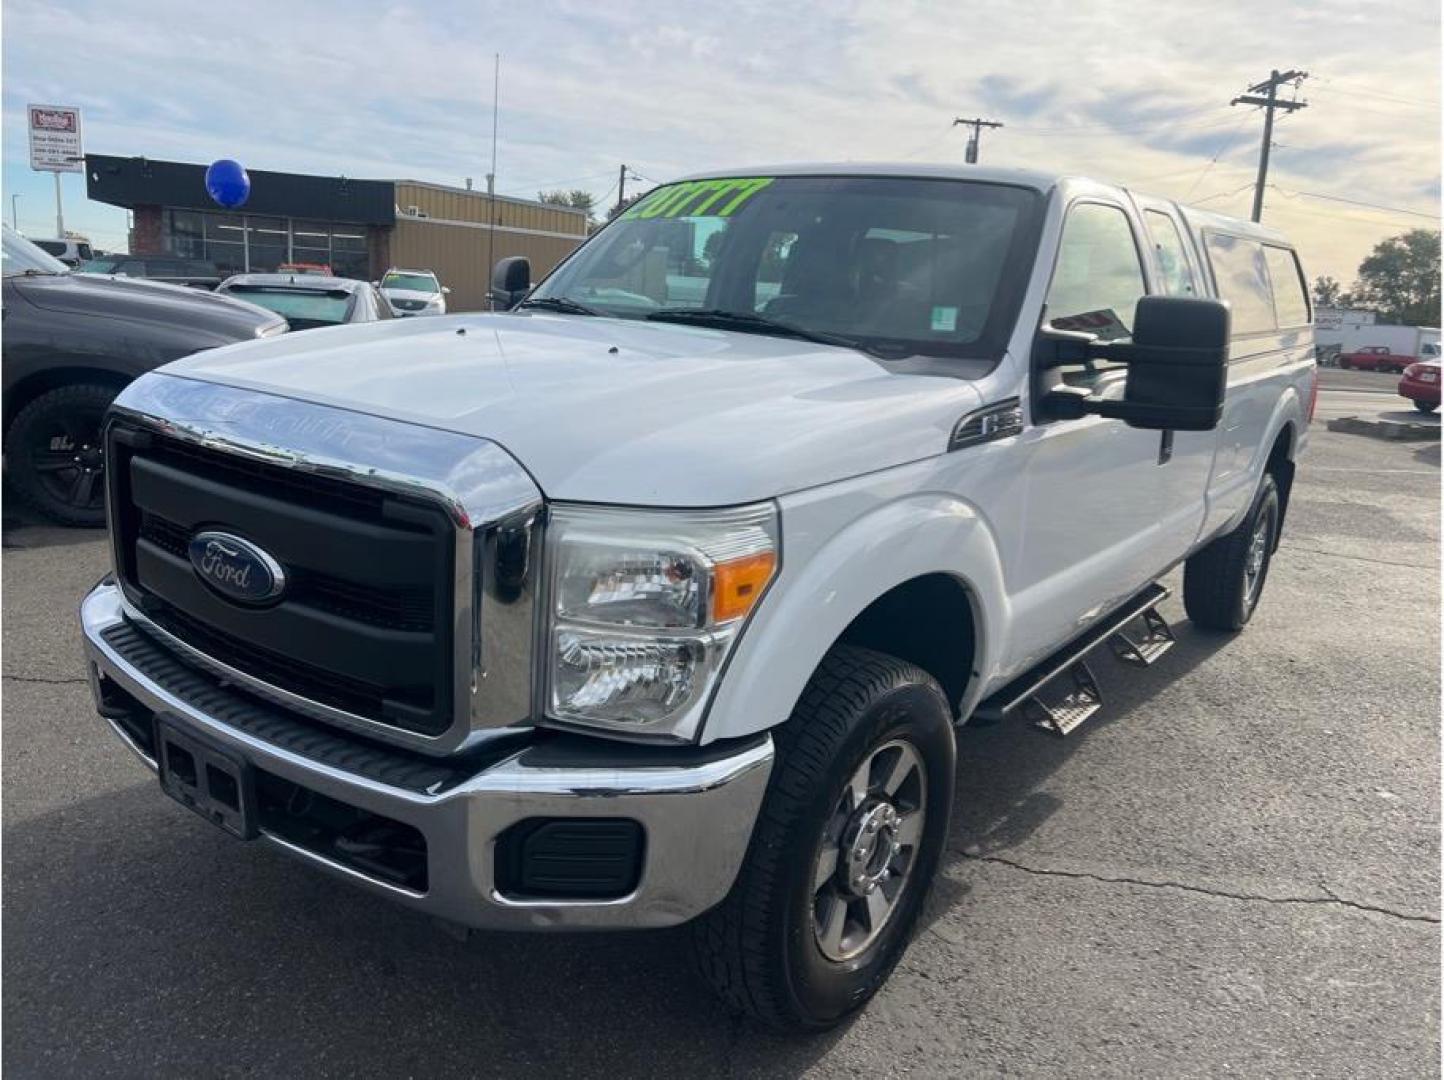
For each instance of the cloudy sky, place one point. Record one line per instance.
(1133, 91)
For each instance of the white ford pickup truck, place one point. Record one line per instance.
(662, 595)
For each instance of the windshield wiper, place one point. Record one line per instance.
(558, 303)
(760, 324)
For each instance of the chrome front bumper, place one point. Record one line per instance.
(696, 809)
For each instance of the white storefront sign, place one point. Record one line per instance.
(55, 138)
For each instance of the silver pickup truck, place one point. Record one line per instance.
(662, 595)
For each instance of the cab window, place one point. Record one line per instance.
(1243, 280)
(1291, 302)
(1177, 275)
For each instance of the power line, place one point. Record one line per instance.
(1221, 194)
(1353, 202)
(977, 124)
(1434, 104)
(1140, 125)
(1216, 155)
(1270, 102)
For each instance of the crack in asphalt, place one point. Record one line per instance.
(1332, 898)
(1343, 555)
(43, 679)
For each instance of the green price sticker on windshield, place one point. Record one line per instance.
(699, 198)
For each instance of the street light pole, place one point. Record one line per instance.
(59, 210)
(14, 212)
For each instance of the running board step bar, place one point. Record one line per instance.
(1062, 714)
(1144, 651)
(1082, 699)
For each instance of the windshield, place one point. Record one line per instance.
(20, 255)
(932, 267)
(414, 282)
(302, 308)
(100, 266)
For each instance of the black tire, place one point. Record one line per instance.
(53, 455)
(1344, 365)
(1425, 406)
(760, 948)
(1219, 593)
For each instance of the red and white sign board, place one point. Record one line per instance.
(55, 139)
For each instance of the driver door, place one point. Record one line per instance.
(1102, 517)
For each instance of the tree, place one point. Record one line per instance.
(1327, 292)
(576, 198)
(623, 206)
(1400, 279)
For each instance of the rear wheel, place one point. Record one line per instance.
(1426, 406)
(54, 457)
(1223, 582)
(844, 849)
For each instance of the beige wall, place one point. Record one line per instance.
(454, 239)
(454, 205)
(462, 256)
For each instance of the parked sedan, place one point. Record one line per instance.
(71, 342)
(308, 301)
(414, 292)
(1420, 385)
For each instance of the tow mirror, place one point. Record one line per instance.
(510, 281)
(1177, 366)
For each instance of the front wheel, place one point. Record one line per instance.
(1222, 583)
(844, 850)
(54, 457)
(1426, 406)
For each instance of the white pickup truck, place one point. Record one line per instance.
(661, 596)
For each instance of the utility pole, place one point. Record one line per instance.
(15, 212)
(621, 188)
(1270, 102)
(59, 211)
(491, 176)
(977, 125)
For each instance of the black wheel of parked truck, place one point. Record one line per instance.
(1222, 583)
(53, 454)
(1426, 406)
(844, 850)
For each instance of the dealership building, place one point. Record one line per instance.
(359, 228)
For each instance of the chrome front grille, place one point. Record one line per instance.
(411, 557)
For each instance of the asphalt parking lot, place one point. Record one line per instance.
(1232, 870)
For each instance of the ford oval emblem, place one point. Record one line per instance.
(236, 568)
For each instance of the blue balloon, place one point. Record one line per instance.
(227, 183)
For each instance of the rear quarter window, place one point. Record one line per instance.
(1243, 280)
(1291, 301)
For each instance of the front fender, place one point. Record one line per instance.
(832, 569)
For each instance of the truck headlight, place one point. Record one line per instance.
(645, 607)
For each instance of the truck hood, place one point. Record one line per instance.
(138, 300)
(618, 411)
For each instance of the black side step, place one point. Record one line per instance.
(1027, 685)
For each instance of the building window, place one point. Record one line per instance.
(238, 243)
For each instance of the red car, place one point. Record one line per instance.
(1374, 358)
(1420, 385)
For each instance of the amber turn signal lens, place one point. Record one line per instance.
(738, 584)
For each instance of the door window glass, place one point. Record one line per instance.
(1098, 278)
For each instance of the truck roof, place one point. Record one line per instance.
(1037, 179)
